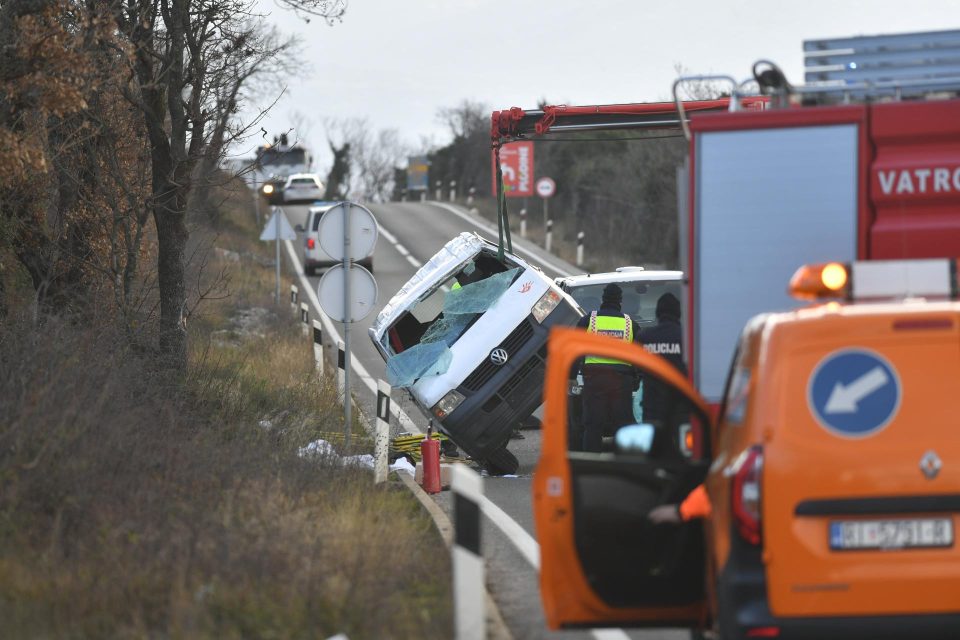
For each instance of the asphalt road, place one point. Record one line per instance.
(420, 229)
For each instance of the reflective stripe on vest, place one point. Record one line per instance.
(617, 327)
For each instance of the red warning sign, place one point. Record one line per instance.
(516, 162)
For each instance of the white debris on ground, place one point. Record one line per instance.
(324, 450)
(317, 449)
(403, 465)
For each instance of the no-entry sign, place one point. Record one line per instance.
(516, 163)
(546, 187)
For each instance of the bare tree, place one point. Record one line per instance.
(372, 157)
(253, 53)
(466, 158)
(338, 179)
(186, 56)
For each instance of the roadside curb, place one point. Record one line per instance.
(496, 628)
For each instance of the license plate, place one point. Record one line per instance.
(912, 533)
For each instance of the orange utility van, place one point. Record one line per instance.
(833, 470)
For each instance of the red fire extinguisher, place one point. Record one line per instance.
(430, 455)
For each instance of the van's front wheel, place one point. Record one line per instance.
(501, 462)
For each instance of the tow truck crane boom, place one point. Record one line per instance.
(517, 124)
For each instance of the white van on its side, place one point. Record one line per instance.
(314, 257)
(467, 337)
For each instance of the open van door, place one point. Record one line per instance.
(603, 562)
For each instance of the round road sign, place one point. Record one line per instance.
(854, 392)
(363, 231)
(363, 292)
(546, 187)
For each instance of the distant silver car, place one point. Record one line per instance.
(303, 187)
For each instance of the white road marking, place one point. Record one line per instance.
(610, 634)
(517, 248)
(523, 541)
(392, 239)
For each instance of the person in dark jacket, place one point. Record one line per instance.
(665, 339)
(607, 383)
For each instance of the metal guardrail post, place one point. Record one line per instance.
(318, 346)
(468, 567)
(381, 442)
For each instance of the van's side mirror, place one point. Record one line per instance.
(299, 228)
(634, 438)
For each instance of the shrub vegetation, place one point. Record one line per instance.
(139, 502)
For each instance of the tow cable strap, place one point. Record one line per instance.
(503, 221)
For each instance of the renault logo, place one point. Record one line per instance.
(499, 357)
(930, 464)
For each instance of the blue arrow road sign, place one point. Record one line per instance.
(854, 392)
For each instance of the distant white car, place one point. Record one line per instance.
(303, 187)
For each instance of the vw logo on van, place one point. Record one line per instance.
(499, 357)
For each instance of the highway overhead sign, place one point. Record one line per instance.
(418, 170)
(278, 226)
(546, 187)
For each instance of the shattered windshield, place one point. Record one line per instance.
(419, 342)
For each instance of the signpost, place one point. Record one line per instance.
(278, 228)
(546, 187)
(516, 164)
(347, 292)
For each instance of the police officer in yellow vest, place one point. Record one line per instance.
(607, 383)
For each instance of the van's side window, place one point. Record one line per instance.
(735, 393)
(736, 400)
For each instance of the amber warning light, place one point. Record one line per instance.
(876, 280)
(815, 281)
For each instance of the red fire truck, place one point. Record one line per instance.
(861, 163)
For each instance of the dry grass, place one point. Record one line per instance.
(137, 505)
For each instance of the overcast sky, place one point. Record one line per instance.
(396, 62)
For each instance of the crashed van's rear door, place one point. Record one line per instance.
(861, 485)
(603, 561)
